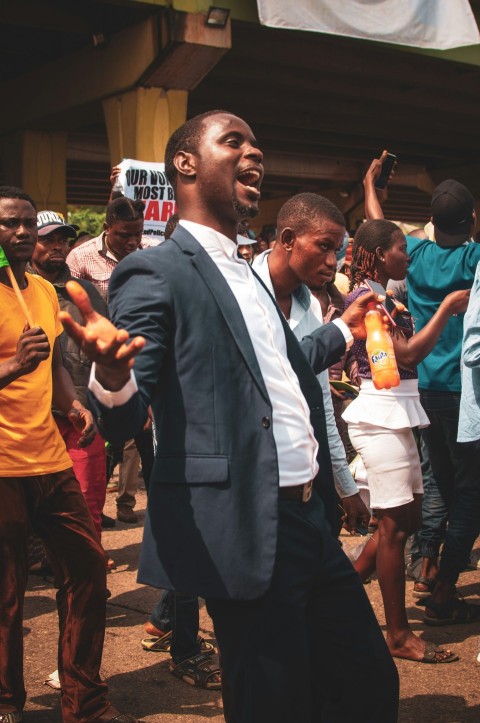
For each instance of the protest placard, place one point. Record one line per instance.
(148, 182)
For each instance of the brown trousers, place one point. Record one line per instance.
(53, 505)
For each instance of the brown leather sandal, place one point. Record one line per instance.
(199, 670)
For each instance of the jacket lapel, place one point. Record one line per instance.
(225, 300)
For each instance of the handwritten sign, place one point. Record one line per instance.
(148, 182)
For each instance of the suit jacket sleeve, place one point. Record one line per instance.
(324, 346)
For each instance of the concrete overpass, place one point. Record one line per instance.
(86, 83)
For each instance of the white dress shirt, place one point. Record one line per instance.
(306, 316)
(293, 434)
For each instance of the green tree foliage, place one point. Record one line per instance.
(88, 218)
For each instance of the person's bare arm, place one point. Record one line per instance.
(114, 174)
(65, 399)
(373, 207)
(33, 347)
(410, 352)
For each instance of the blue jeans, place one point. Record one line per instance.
(434, 512)
(178, 613)
(454, 492)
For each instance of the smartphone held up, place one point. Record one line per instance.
(388, 165)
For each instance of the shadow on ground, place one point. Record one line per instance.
(437, 708)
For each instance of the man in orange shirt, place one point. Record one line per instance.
(38, 487)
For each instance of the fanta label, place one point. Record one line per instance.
(380, 357)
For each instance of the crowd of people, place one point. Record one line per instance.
(236, 370)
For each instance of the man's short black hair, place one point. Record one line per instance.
(124, 209)
(186, 139)
(300, 210)
(14, 192)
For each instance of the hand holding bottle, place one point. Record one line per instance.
(381, 355)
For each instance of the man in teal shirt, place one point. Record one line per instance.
(435, 270)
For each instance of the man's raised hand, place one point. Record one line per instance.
(354, 315)
(101, 341)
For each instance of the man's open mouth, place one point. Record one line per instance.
(251, 179)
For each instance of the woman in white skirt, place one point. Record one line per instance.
(380, 424)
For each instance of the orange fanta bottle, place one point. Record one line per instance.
(380, 352)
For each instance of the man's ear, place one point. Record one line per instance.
(287, 238)
(185, 164)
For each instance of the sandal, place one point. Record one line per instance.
(454, 612)
(199, 671)
(433, 654)
(427, 582)
(162, 644)
(158, 644)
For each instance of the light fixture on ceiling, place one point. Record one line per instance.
(217, 17)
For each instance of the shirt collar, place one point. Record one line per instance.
(104, 250)
(212, 241)
(301, 294)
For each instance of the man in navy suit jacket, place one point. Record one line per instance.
(241, 488)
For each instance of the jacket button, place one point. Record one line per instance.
(265, 423)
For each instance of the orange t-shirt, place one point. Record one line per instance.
(30, 443)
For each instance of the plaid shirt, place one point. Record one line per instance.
(94, 262)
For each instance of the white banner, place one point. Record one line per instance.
(148, 182)
(435, 24)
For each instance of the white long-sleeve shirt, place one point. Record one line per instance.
(306, 316)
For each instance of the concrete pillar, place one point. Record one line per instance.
(37, 162)
(140, 122)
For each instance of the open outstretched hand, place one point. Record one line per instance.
(101, 341)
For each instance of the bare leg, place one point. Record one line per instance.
(366, 563)
(395, 526)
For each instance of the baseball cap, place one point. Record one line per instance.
(245, 240)
(48, 221)
(452, 209)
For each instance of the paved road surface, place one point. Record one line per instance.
(141, 683)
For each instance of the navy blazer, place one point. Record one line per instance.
(211, 526)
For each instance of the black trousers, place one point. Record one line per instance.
(310, 650)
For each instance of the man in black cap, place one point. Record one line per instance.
(49, 262)
(453, 495)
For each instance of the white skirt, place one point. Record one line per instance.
(396, 408)
(392, 463)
